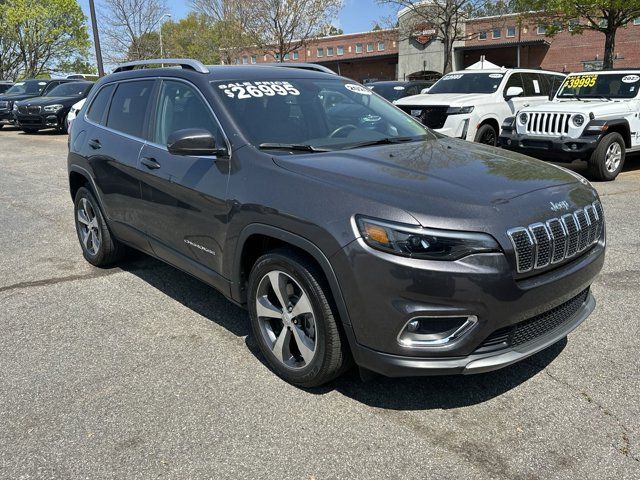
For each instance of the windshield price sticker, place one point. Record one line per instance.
(630, 79)
(580, 81)
(496, 75)
(357, 89)
(452, 77)
(244, 90)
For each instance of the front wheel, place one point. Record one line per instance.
(293, 321)
(487, 135)
(608, 158)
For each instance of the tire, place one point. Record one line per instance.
(1, 126)
(486, 135)
(607, 159)
(99, 247)
(297, 279)
(30, 130)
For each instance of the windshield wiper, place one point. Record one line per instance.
(291, 146)
(571, 95)
(382, 141)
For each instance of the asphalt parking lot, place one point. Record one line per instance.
(143, 372)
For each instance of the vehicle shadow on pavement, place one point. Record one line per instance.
(413, 393)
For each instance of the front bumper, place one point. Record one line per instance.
(550, 148)
(6, 117)
(47, 120)
(382, 292)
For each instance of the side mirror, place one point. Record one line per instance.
(513, 92)
(425, 90)
(193, 141)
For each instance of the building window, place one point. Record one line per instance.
(254, 59)
(340, 50)
(542, 30)
(320, 52)
(369, 47)
(381, 46)
(496, 33)
(511, 31)
(358, 48)
(277, 57)
(296, 55)
(636, 21)
(245, 60)
(286, 56)
(482, 35)
(573, 24)
(329, 51)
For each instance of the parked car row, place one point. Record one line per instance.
(39, 104)
(592, 116)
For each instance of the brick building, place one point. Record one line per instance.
(503, 39)
(365, 56)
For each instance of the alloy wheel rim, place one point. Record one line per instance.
(286, 319)
(613, 157)
(90, 235)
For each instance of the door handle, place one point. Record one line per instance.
(95, 144)
(150, 163)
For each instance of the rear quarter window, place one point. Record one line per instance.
(97, 110)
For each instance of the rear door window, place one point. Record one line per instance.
(128, 110)
(97, 110)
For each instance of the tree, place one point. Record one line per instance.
(578, 16)
(230, 20)
(10, 59)
(444, 20)
(129, 27)
(279, 27)
(43, 35)
(77, 65)
(193, 37)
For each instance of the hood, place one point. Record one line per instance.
(44, 101)
(17, 97)
(443, 182)
(457, 99)
(598, 107)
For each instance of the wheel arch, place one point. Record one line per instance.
(257, 239)
(490, 121)
(622, 127)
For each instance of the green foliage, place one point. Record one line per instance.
(194, 36)
(45, 33)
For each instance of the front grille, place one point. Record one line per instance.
(4, 105)
(535, 327)
(548, 123)
(432, 117)
(557, 239)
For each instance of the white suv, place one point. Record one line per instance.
(472, 104)
(593, 117)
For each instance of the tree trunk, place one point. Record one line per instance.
(609, 49)
(447, 45)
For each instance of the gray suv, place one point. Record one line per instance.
(349, 231)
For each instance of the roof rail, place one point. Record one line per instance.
(186, 63)
(300, 65)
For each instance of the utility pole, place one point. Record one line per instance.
(168, 15)
(96, 38)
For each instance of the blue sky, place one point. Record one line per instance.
(356, 16)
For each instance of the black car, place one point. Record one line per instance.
(50, 110)
(361, 236)
(22, 91)
(397, 90)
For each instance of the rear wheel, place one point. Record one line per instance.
(293, 321)
(607, 160)
(487, 135)
(99, 247)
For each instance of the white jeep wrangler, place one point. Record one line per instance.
(593, 117)
(472, 104)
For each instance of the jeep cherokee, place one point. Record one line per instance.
(348, 229)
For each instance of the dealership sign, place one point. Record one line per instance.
(424, 34)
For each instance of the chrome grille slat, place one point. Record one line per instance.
(542, 244)
(545, 123)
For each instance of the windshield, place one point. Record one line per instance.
(73, 89)
(28, 87)
(468, 83)
(598, 85)
(390, 91)
(317, 113)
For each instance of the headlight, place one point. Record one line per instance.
(578, 120)
(15, 107)
(424, 243)
(52, 108)
(523, 118)
(459, 110)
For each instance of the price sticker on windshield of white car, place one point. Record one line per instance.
(244, 90)
(580, 81)
(453, 77)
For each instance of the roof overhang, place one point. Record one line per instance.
(491, 46)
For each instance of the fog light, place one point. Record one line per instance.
(435, 331)
(574, 146)
(509, 142)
